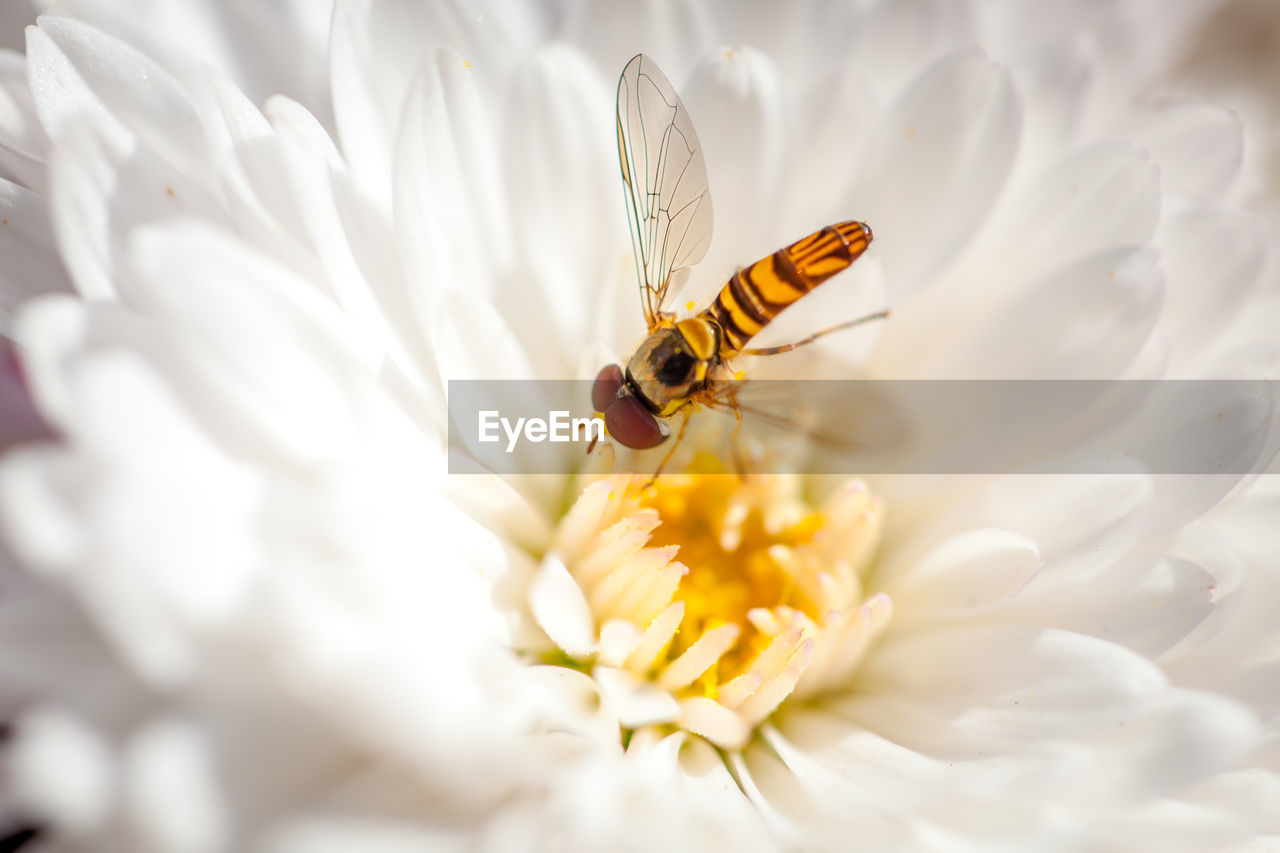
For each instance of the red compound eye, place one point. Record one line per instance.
(608, 381)
(632, 424)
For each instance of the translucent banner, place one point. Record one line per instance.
(885, 427)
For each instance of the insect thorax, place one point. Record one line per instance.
(674, 362)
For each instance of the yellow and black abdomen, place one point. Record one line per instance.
(758, 293)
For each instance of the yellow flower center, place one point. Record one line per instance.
(727, 594)
(731, 550)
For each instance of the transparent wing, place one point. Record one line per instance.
(831, 416)
(664, 180)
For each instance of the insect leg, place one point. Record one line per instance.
(679, 438)
(735, 446)
(879, 315)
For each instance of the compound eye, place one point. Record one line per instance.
(674, 370)
(608, 381)
(632, 424)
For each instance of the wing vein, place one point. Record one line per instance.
(668, 203)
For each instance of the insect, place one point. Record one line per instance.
(685, 361)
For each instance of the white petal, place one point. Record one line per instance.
(709, 784)
(49, 331)
(735, 101)
(20, 421)
(50, 652)
(793, 807)
(636, 702)
(279, 354)
(365, 116)
(1198, 146)
(82, 223)
(823, 751)
(619, 638)
(988, 689)
(137, 92)
(493, 502)
(832, 122)
(48, 538)
(24, 146)
(1213, 260)
(447, 206)
(103, 184)
(1251, 791)
(256, 174)
(1147, 604)
(173, 472)
(718, 724)
(1056, 81)
(332, 833)
(573, 704)
(964, 576)
(1191, 735)
(675, 34)
(379, 307)
(1108, 515)
(31, 263)
(62, 771)
(474, 341)
(266, 49)
(896, 39)
(1085, 321)
(1212, 433)
(378, 52)
(372, 243)
(172, 791)
(63, 99)
(561, 609)
(936, 166)
(1104, 195)
(559, 162)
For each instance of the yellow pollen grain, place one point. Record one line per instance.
(690, 305)
(466, 64)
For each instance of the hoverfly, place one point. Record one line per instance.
(685, 361)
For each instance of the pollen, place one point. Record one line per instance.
(730, 595)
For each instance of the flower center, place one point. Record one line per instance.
(713, 598)
(738, 542)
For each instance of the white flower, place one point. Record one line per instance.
(247, 608)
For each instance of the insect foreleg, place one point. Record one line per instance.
(684, 424)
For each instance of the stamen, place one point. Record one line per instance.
(729, 595)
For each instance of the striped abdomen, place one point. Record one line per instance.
(758, 293)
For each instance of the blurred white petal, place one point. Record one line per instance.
(246, 250)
